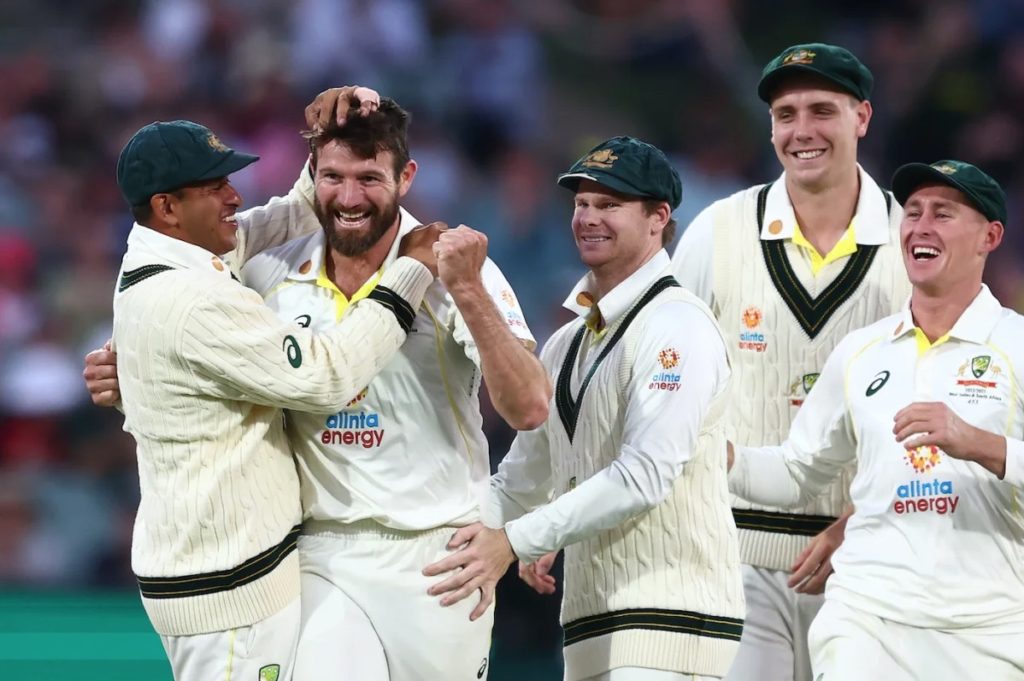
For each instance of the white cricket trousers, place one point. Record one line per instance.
(264, 651)
(850, 645)
(366, 614)
(644, 674)
(773, 646)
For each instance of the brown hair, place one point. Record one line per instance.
(385, 129)
(667, 234)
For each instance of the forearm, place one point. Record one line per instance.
(761, 475)
(516, 381)
(602, 502)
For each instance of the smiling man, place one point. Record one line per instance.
(625, 478)
(387, 479)
(789, 268)
(928, 583)
(205, 369)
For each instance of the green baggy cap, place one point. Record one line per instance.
(629, 166)
(835, 64)
(164, 156)
(981, 190)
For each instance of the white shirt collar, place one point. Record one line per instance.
(149, 247)
(870, 219)
(975, 325)
(617, 301)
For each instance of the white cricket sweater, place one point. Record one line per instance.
(204, 370)
(642, 509)
(781, 321)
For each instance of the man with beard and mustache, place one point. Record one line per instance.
(386, 480)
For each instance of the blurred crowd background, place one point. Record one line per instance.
(504, 95)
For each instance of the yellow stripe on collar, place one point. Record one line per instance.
(923, 344)
(847, 245)
(341, 301)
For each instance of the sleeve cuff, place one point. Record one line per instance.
(402, 288)
(1014, 474)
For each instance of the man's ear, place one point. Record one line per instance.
(406, 177)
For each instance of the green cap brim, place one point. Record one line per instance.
(912, 175)
(771, 82)
(571, 181)
(231, 163)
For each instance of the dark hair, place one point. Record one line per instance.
(143, 212)
(385, 129)
(667, 234)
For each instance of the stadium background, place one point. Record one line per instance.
(504, 95)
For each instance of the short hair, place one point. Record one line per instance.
(667, 234)
(385, 129)
(143, 212)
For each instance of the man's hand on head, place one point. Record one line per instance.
(334, 105)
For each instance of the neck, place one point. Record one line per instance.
(350, 272)
(824, 213)
(608, 277)
(936, 312)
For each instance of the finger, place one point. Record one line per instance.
(463, 535)
(914, 427)
(816, 583)
(105, 385)
(109, 345)
(486, 598)
(326, 103)
(369, 100)
(107, 398)
(447, 564)
(454, 582)
(465, 591)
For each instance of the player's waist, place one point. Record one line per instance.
(368, 527)
(780, 522)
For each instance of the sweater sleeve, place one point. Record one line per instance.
(281, 219)
(654, 449)
(238, 349)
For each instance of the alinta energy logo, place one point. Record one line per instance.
(353, 428)
(668, 380)
(925, 496)
(751, 339)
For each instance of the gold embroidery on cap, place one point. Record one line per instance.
(798, 57)
(775, 227)
(305, 267)
(600, 159)
(215, 143)
(945, 168)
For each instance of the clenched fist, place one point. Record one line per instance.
(461, 253)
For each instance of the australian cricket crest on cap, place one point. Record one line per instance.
(799, 57)
(944, 168)
(215, 143)
(602, 158)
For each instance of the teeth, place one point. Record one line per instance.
(350, 217)
(804, 155)
(925, 251)
(231, 218)
(594, 239)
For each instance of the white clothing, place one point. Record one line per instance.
(627, 475)
(409, 452)
(935, 541)
(264, 650)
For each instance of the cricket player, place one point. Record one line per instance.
(205, 369)
(789, 268)
(387, 479)
(929, 582)
(626, 474)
